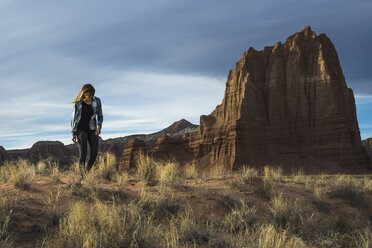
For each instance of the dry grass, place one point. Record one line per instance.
(273, 173)
(106, 166)
(90, 189)
(185, 231)
(218, 170)
(156, 216)
(248, 174)
(52, 206)
(159, 206)
(122, 178)
(348, 188)
(20, 173)
(101, 225)
(269, 236)
(241, 219)
(169, 174)
(286, 213)
(48, 167)
(146, 167)
(190, 171)
(6, 215)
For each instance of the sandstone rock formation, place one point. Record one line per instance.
(45, 149)
(288, 99)
(3, 154)
(127, 160)
(288, 102)
(367, 143)
(167, 148)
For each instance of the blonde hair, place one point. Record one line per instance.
(86, 88)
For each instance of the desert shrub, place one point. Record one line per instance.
(273, 174)
(106, 166)
(266, 236)
(122, 178)
(90, 188)
(53, 207)
(169, 174)
(159, 206)
(319, 192)
(20, 173)
(190, 171)
(346, 187)
(74, 166)
(241, 218)
(366, 182)
(226, 198)
(266, 190)
(185, 230)
(286, 213)
(6, 215)
(364, 238)
(218, 170)
(146, 167)
(297, 176)
(248, 173)
(4, 171)
(49, 167)
(41, 167)
(270, 237)
(101, 225)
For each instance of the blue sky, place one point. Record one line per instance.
(153, 62)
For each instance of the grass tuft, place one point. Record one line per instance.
(146, 167)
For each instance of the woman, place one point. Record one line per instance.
(86, 124)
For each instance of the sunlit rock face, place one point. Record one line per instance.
(128, 158)
(287, 100)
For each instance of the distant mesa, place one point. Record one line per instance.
(45, 149)
(3, 154)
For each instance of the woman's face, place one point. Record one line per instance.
(87, 96)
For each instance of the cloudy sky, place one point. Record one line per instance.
(153, 62)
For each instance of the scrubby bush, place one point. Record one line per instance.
(241, 218)
(101, 225)
(273, 174)
(286, 213)
(159, 206)
(185, 230)
(169, 174)
(146, 167)
(248, 173)
(106, 166)
(346, 187)
(190, 171)
(6, 216)
(20, 173)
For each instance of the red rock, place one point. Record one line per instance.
(3, 154)
(127, 160)
(288, 99)
(45, 149)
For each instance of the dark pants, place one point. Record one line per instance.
(83, 138)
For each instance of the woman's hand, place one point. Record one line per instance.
(98, 130)
(74, 138)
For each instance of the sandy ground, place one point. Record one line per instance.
(206, 197)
